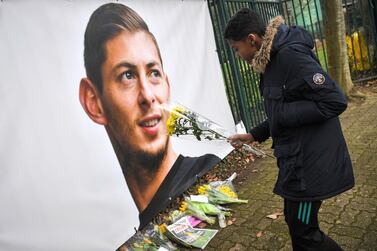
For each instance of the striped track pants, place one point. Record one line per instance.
(302, 221)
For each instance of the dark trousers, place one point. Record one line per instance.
(302, 220)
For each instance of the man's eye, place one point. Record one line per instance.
(155, 74)
(127, 75)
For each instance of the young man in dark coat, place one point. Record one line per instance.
(302, 104)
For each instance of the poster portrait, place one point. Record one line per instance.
(62, 184)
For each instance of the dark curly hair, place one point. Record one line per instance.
(244, 22)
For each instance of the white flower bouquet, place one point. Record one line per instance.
(184, 121)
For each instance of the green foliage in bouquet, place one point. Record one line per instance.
(209, 208)
(182, 121)
(220, 195)
(189, 208)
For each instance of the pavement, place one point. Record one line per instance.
(350, 218)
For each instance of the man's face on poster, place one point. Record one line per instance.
(134, 87)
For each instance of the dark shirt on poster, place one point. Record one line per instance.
(183, 174)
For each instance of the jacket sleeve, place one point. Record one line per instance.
(261, 132)
(322, 97)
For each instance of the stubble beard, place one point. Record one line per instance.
(137, 163)
(143, 164)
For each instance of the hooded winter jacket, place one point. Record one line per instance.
(302, 104)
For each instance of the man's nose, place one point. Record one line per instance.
(146, 94)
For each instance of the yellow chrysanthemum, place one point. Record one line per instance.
(162, 228)
(203, 189)
(175, 114)
(183, 206)
(228, 191)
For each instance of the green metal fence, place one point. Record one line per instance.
(361, 38)
(242, 84)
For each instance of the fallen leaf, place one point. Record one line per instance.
(259, 234)
(254, 171)
(237, 247)
(230, 222)
(202, 225)
(275, 215)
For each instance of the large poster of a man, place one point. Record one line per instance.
(125, 90)
(63, 177)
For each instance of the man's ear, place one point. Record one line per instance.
(252, 38)
(91, 102)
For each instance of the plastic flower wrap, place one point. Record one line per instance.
(189, 208)
(226, 186)
(176, 215)
(182, 122)
(218, 197)
(201, 209)
(152, 238)
(221, 195)
(209, 208)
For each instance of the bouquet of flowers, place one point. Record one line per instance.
(152, 238)
(179, 225)
(183, 121)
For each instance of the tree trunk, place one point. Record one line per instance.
(335, 31)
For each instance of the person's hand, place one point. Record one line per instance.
(238, 140)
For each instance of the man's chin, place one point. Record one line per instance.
(150, 156)
(155, 147)
(152, 152)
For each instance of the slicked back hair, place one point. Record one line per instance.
(244, 22)
(106, 22)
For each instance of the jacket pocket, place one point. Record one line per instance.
(291, 170)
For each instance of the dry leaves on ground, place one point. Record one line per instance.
(275, 215)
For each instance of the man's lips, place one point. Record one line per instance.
(150, 124)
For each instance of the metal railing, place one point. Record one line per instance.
(242, 84)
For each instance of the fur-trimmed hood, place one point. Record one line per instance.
(277, 36)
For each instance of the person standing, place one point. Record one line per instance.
(302, 104)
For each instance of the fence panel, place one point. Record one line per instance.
(242, 83)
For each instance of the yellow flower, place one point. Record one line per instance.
(170, 125)
(162, 228)
(228, 191)
(183, 206)
(203, 189)
(176, 113)
(137, 245)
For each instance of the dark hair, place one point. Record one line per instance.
(244, 22)
(106, 22)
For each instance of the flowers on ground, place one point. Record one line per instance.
(227, 190)
(179, 225)
(222, 194)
